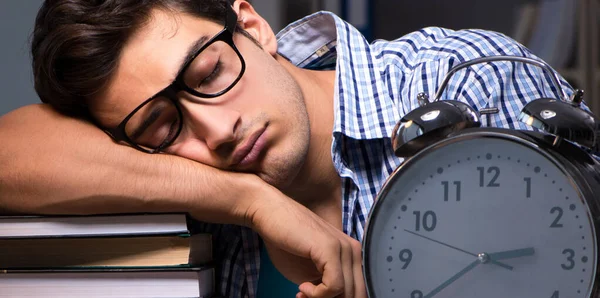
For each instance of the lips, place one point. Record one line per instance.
(250, 150)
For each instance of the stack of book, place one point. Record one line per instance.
(144, 255)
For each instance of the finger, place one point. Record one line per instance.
(348, 269)
(360, 289)
(320, 290)
(331, 284)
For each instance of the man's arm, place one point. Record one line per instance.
(52, 164)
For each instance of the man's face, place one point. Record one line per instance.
(260, 126)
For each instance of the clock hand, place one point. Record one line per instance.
(442, 243)
(510, 254)
(453, 279)
(462, 250)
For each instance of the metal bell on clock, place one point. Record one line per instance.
(429, 123)
(564, 119)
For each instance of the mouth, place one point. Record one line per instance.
(249, 152)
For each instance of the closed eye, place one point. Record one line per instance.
(214, 74)
(139, 131)
(170, 136)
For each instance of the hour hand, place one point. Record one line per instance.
(511, 254)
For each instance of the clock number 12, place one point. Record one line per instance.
(491, 170)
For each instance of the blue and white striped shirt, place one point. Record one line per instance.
(376, 84)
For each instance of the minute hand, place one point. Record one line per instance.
(493, 261)
(453, 279)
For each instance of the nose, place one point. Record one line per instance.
(215, 124)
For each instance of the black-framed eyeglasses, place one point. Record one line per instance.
(212, 71)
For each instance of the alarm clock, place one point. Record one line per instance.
(488, 212)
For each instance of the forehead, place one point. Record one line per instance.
(149, 62)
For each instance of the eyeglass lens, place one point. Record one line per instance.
(157, 123)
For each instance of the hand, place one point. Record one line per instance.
(306, 249)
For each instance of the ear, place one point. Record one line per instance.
(256, 26)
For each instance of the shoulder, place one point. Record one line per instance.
(436, 43)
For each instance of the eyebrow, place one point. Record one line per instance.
(147, 122)
(192, 50)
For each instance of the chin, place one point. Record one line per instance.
(283, 172)
(281, 179)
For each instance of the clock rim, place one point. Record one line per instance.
(579, 169)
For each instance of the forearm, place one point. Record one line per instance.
(52, 164)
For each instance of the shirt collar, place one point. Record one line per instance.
(309, 38)
(324, 41)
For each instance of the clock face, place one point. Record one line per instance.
(482, 217)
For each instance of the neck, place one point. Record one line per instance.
(318, 185)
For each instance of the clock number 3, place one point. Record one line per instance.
(495, 171)
(570, 259)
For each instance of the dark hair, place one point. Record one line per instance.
(76, 44)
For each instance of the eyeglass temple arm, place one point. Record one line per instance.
(231, 18)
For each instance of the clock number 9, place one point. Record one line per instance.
(405, 256)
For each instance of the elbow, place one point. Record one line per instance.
(17, 153)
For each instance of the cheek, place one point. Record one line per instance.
(257, 91)
(262, 75)
(267, 83)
